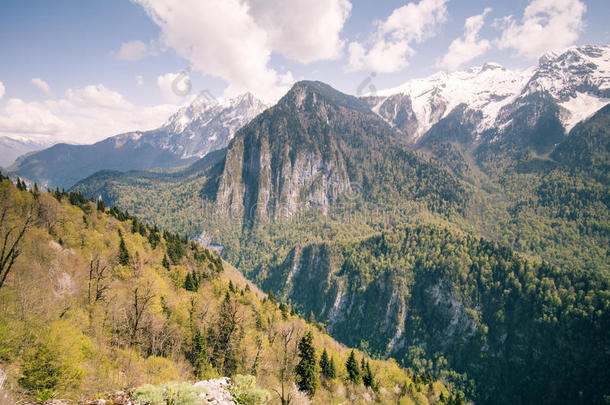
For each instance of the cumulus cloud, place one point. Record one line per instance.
(132, 51)
(302, 30)
(42, 85)
(464, 49)
(546, 25)
(390, 46)
(83, 115)
(2, 90)
(234, 39)
(174, 86)
(140, 80)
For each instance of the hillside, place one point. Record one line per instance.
(95, 301)
(437, 300)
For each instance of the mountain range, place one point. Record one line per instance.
(458, 224)
(192, 132)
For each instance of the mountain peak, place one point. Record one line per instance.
(306, 94)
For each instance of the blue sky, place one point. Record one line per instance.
(81, 70)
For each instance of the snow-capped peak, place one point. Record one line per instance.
(202, 110)
(484, 88)
(208, 124)
(578, 79)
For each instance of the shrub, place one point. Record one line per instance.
(246, 392)
(170, 394)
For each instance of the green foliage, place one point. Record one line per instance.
(173, 393)
(307, 369)
(44, 370)
(246, 392)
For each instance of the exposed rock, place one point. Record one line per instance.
(217, 391)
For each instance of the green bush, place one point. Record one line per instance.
(246, 392)
(170, 394)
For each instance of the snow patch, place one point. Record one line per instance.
(580, 107)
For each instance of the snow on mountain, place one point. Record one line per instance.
(200, 127)
(578, 80)
(486, 89)
(11, 148)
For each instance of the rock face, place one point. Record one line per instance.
(217, 392)
(191, 133)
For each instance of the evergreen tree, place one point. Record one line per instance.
(368, 379)
(353, 371)
(327, 365)
(332, 370)
(271, 297)
(165, 262)
(306, 370)
(123, 253)
(190, 283)
(285, 310)
(101, 206)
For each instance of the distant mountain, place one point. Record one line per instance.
(189, 134)
(492, 102)
(11, 149)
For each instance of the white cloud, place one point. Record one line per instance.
(234, 39)
(546, 25)
(132, 51)
(140, 80)
(465, 49)
(97, 96)
(42, 85)
(390, 46)
(82, 116)
(303, 30)
(174, 86)
(2, 90)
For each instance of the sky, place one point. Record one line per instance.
(79, 71)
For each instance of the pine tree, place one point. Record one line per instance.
(271, 297)
(306, 370)
(327, 365)
(332, 370)
(353, 371)
(368, 379)
(285, 310)
(190, 283)
(123, 253)
(165, 262)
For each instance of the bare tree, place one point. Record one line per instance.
(142, 296)
(287, 354)
(11, 235)
(98, 272)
